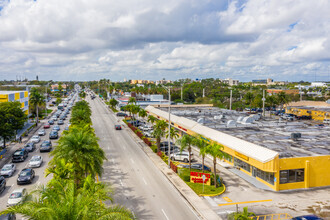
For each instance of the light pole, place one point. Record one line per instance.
(46, 99)
(169, 127)
(263, 102)
(231, 97)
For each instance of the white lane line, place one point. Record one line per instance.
(113, 161)
(165, 214)
(145, 182)
(121, 183)
(132, 160)
(108, 147)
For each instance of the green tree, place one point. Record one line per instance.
(159, 132)
(249, 98)
(62, 200)
(201, 143)
(216, 151)
(142, 113)
(245, 215)
(174, 134)
(80, 148)
(135, 110)
(186, 141)
(36, 99)
(113, 102)
(282, 99)
(152, 119)
(12, 118)
(131, 100)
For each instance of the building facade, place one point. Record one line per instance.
(20, 96)
(317, 110)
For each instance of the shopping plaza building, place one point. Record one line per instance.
(282, 155)
(20, 96)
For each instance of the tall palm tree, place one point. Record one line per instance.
(131, 100)
(186, 141)
(61, 200)
(159, 132)
(282, 98)
(249, 98)
(135, 109)
(36, 99)
(80, 148)
(216, 151)
(142, 113)
(152, 119)
(201, 144)
(80, 116)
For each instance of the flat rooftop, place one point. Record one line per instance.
(271, 133)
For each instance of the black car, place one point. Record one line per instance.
(121, 114)
(25, 176)
(9, 216)
(2, 184)
(118, 127)
(51, 122)
(19, 155)
(53, 135)
(46, 146)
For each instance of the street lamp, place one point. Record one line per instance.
(46, 99)
(169, 127)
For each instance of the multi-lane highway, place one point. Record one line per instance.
(138, 184)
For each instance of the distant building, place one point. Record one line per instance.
(158, 82)
(230, 81)
(20, 96)
(319, 84)
(55, 87)
(267, 82)
(141, 81)
(286, 91)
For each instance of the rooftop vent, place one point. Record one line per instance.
(295, 136)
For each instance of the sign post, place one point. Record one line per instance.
(203, 181)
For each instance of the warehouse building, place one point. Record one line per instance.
(20, 96)
(316, 110)
(281, 155)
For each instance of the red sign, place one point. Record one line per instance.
(197, 177)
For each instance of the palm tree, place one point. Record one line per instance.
(152, 119)
(80, 148)
(186, 141)
(135, 109)
(142, 113)
(80, 116)
(245, 215)
(173, 134)
(282, 99)
(61, 200)
(249, 98)
(159, 132)
(215, 150)
(113, 102)
(201, 144)
(131, 100)
(36, 99)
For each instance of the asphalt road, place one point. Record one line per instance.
(40, 178)
(137, 183)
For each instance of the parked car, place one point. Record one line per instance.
(8, 170)
(53, 135)
(35, 161)
(307, 217)
(46, 146)
(182, 156)
(47, 125)
(42, 132)
(197, 166)
(60, 122)
(118, 127)
(35, 139)
(56, 128)
(30, 146)
(17, 196)
(304, 117)
(2, 184)
(51, 122)
(20, 155)
(25, 176)
(121, 114)
(9, 216)
(54, 118)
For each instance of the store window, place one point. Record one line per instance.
(292, 176)
(242, 164)
(266, 176)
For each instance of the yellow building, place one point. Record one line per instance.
(317, 110)
(20, 96)
(269, 158)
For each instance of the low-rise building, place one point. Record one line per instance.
(286, 91)
(20, 96)
(230, 81)
(316, 110)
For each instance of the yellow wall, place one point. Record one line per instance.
(316, 115)
(3, 98)
(317, 171)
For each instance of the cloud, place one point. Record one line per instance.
(80, 39)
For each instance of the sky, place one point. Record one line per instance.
(286, 40)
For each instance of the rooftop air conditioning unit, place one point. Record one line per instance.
(295, 136)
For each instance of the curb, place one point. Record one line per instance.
(224, 189)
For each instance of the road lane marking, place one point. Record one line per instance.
(227, 199)
(132, 160)
(113, 161)
(145, 182)
(237, 203)
(165, 214)
(121, 183)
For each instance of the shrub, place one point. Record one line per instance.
(186, 178)
(154, 148)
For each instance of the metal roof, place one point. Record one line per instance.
(249, 149)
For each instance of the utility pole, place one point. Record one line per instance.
(203, 92)
(231, 96)
(169, 127)
(263, 102)
(46, 99)
(181, 93)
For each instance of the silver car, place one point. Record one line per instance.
(17, 197)
(8, 170)
(42, 132)
(35, 139)
(35, 161)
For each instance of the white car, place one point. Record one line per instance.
(182, 156)
(35, 139)
(35, 161)
(42, 132)
(17, 196)
(8, 170)
(54, 118)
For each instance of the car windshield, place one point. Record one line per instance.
(44, 145)
(35, 159)
(35, 137)
(18, 153)
(15, 195)
(6, 167)
(25, 173)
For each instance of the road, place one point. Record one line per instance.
(138, 184)
(40, 178)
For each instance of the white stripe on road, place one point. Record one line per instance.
(121, 183)
(145, 182)
(165, 214)
(132, 160)
(113, 161)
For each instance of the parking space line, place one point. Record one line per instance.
(227, 199)
(132, 160)
(237, 203)
(145, 182)
(165, 214)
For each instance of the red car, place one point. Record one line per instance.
(46, 125)
(117, 127)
